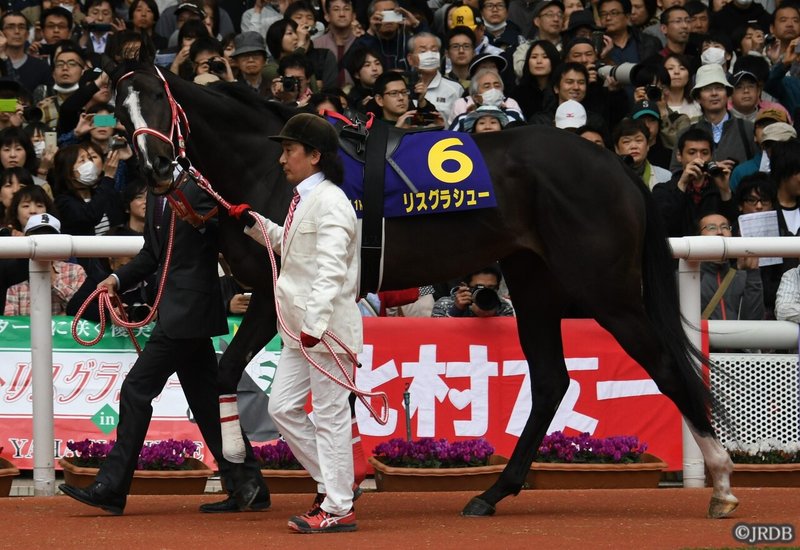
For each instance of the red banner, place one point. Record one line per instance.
(465, 377)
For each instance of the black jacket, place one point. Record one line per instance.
(191, 304)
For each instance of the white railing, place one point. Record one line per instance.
(43, 249)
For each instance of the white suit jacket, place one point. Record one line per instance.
(318, 280)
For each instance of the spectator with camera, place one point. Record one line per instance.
(733, 137)
(292, 85)
(390, 27)
(68, 66)
(98, 26)
(392, 97)
(323, 61)
(56, 25)
(476, 296)
(209, 63)
(736, 14)
(785, 28)
(250, 55)
(431, 90)
(263, 15)
(29, 71)
(700, 185)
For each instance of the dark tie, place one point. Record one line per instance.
(158, 214)
(290, 215)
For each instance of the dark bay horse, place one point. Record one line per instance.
(572, 226)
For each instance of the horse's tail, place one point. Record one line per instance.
(662, 304)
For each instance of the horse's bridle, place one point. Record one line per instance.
(178, 120)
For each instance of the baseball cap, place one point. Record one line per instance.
(741, 75)
(779, 131)
(772, 114)
(43, 224)
(645, 107)
(546, 4)
(463, 16)
(570, 114)
(192, 7)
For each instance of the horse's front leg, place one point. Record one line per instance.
(257, 329)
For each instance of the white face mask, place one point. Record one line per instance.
(38, 148)
(712, 56)
(428, 60)
(493, 97)
(88, 173)
(68, 7)
(743, 3)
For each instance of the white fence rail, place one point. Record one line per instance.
(43, 249)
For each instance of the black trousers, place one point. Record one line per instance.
(195, 362)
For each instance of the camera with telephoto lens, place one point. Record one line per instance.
(623, 72)
(485, 298)
(290, 83)
(713, 169)
(217, 66)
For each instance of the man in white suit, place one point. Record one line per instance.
(316, 292)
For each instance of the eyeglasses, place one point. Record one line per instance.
(17, 27)
(67, 64)
(462, 47)
(714, 228)
(612, 13)
(684, 21)
(552, 15)
(395, 93)
(499, 6)
(752, 201)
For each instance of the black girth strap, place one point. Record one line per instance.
(372, 220)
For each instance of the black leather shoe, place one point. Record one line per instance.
(260, 503)
(97, 494)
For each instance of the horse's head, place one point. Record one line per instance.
(155, 124)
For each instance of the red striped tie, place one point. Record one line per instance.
(290, 215)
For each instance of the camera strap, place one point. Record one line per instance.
(723, 286)
(748, 147)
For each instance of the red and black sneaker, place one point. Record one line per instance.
(320, 521)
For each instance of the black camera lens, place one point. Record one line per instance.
(216, 66)
(485, 298)
(290, 83)
(713, 169)
(654, 93)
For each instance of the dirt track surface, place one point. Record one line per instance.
(641, 519)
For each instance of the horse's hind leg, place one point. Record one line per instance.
(537, 301)
(636, 334)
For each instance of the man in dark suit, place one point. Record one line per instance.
(189, 314)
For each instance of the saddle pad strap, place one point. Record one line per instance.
(372, 220)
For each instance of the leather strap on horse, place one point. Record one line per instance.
(372, 221)
(723, 286)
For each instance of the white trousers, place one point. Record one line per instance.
(325, 449)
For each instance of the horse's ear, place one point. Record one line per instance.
(147, 51)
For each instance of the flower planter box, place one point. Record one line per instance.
(765, 475)
(479, 478)
(644, 474)
(288, 481)
(148, 482)
(7, 474)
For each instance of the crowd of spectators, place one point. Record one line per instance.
(700, 100)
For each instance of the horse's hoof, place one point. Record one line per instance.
(722, 507)
(477, 508)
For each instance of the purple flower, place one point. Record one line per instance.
(583, 448)
(161, 455)
(276, 457)
(428, 452)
